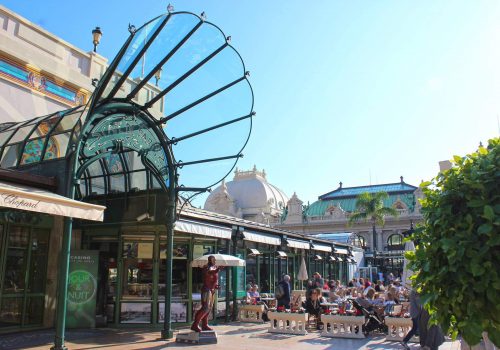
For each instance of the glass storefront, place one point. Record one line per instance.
(24, 251)
(132, 276)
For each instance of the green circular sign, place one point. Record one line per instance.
(82, 287)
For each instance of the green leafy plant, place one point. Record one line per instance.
(457, 252)
(370, 207)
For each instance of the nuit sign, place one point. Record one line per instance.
(82, 288)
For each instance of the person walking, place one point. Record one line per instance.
(415, 312)
(283, 292)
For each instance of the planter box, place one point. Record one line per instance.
(398, 328)
(251, 313)
(287, 323)
(338, 326)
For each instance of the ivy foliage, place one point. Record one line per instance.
(457, 252)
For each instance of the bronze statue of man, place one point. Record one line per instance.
(210, 279)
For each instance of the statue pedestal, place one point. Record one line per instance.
(192, 337)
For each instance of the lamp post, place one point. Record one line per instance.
(96, 37)
(158, 76)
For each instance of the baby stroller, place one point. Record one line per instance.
(373, 322)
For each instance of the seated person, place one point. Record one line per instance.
(312, 303)
(249, 299)
(389, 302)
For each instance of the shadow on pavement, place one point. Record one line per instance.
(46, 338)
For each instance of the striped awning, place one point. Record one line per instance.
(261, 238)
(292, 243)
(202, 229)
(341, 251)
(322, 247)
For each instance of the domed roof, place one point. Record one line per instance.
(250, 190)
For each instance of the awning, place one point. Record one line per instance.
(261, 238)
(322, 247)
(332, 259)
(202, 229)
(292, 243)
(281, 254)
(318, 257)
(254, 251)
(352, 261)
(341, 251)
(41, 201)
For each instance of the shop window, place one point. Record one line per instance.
(135, 313)
(137, 276)
(11, 312)
(38, 261)
(17, 257)
(25, 274)
(179, 271)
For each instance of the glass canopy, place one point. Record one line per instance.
(183, 71)
(180, 73)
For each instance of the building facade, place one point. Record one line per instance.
(328, 218)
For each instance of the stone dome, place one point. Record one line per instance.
(249, 196)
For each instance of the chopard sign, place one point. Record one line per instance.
(14, 201)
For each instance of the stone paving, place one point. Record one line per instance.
(233, 336)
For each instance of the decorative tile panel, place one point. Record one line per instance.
(26, 77)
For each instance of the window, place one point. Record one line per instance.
(395, 242)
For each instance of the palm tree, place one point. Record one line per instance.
(370, 207)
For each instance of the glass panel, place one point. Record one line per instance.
(179, 271)
(10, 155)
(38, 263)
(17, 255)
(21, 134)
(137, 273)
(69, 120)
(97, 185)
(5, 126)
(178, 312)
(140, 38)
(5, 135)
(33, 151)
(135, 313)
(45, 126)
(34, 310)
(138, 181)
(10, 312)
(57, 146)
(251, 269)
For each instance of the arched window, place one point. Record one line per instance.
(395, 242)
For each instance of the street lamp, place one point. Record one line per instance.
(158, 76)
(96, 37)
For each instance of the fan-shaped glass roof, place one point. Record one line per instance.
(177, 75)
(183, 70)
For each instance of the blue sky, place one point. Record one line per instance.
(351, 91)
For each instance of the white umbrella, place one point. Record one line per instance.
(220, 260)
(407, 272)
(302, 275)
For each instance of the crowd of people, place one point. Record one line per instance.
(378, 296)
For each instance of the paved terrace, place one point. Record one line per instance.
(233, 336)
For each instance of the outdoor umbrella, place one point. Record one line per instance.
(302, 275)
(220, 260)
(407, 273)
